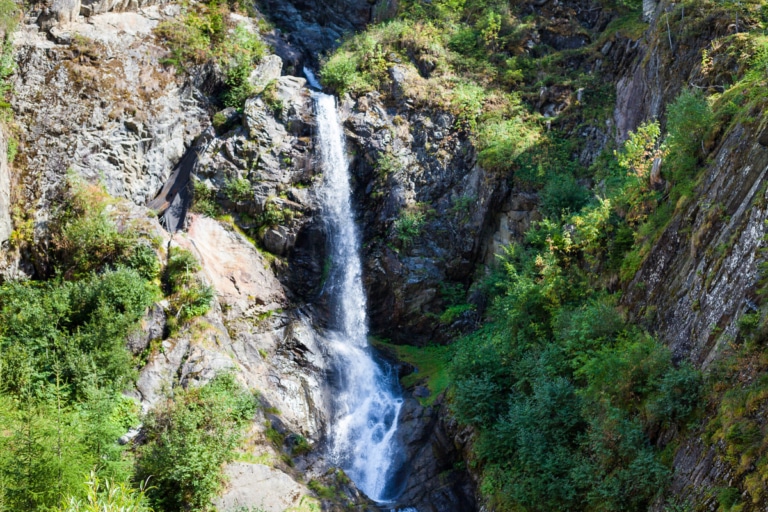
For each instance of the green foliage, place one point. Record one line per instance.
(430, 367)
(238, 189)
(204, 201)
(189, 297)
(408, 226)
(689, 118)
(64, 367)
(339, 72)
(188, 441)
(501, 143)
(563, 393)
(84, 234)
(563, 196)
(322, 491)
(107, 496)
(74, 332)
(204, 32)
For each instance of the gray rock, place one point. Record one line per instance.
(277, 240)
(261, 125)
(65, 11)
(262, 487)
(152, 328)
(224, 120)
(269, 69)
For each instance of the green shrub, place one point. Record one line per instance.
(238, 189)
(107, 496)
(689, 119)
(188, 296)
(204, 199)
(339, 72)
(563, 195)
(501, 143)
(680, 393)
(188, 441)
(75, 331)
(408, 227)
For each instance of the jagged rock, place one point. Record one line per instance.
(266, 71)
(115, 116)
(65, 11)
(315, 26)
(237, 271)
(157, 378)
(433, 484)
(225, 119)
(278, 240)
(152, 328)
(93, 7)
(261, 125)
(428, 161)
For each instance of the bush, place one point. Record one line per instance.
(501, 143)
(204, 201)
(71, 331)
(238, 189)
(339, 72)
(408, 226)
(188, 296)
(189, 440)
(563, 195)
(689, 118)
(107, 496)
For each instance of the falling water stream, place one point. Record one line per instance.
(368, 400)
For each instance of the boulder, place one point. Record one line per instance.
(256, 486)
(270, 68)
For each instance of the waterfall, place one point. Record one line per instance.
(367, 403)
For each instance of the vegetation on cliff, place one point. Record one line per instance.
(64, 367)
(574, 407)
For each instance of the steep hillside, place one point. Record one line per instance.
(620, 151)
(562, 210)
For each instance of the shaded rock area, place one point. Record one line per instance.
(437, 480)
(314, 26)
(415, 163)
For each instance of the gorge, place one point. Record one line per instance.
(501, 255)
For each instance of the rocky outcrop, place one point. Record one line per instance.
(415, 164)
(436, 450)
(113, 112)
(703, 273)
(258, 485)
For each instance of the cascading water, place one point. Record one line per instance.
(368, 401)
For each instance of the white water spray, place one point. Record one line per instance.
(367, 404)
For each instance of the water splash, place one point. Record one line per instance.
(368, 401)
(311, 79)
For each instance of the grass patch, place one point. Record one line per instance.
(431, 365)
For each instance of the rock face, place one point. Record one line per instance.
(247, 485)
(437, 480)
(314, 26)
(113, 113)
(414, 164)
